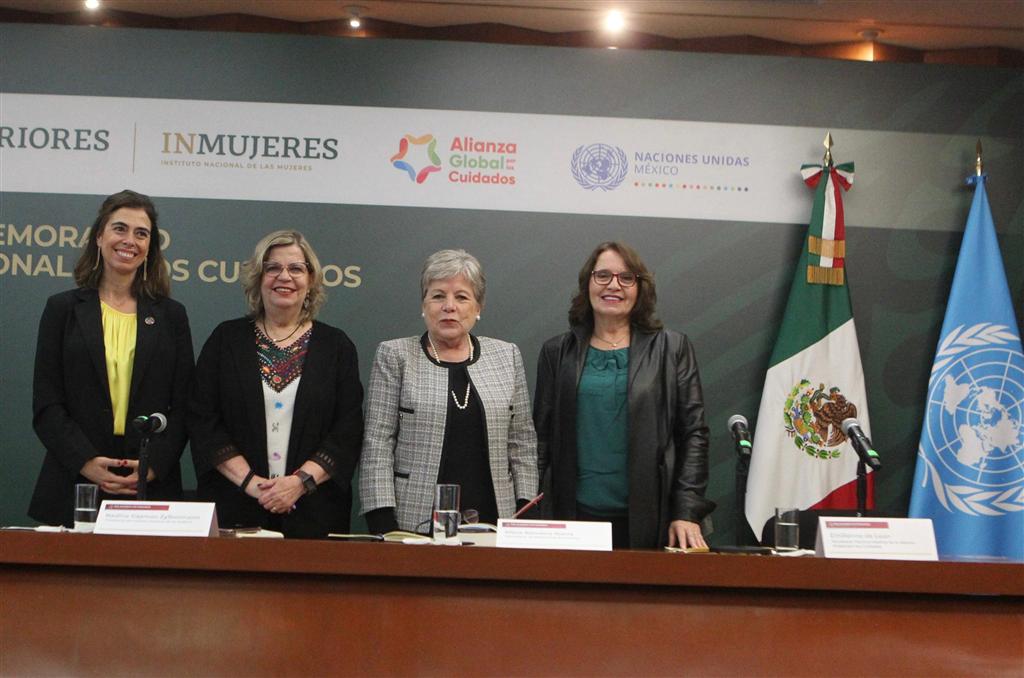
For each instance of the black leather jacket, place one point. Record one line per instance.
(668, 437)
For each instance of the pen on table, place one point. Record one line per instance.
(533, 502)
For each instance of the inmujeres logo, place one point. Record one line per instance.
(599, 166)
(399, 161)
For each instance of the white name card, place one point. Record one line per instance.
(157, 518)
(876, 538)
(574, 535)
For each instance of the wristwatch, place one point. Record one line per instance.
(308, 481)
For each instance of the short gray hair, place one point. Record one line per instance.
(446, 264)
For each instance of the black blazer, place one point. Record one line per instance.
(226, 415)
(71, 409)
(668, 437)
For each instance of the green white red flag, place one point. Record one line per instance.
(801, 458)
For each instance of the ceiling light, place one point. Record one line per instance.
(92, 4)
(354, 14)
(615, 21)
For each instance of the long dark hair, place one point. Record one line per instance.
(643, 315)
(151, 279)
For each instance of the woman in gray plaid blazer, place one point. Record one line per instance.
(447, 407)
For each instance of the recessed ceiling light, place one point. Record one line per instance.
(92, 4)
(615, 21)
(354, 14)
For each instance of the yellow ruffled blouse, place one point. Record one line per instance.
(119, 347)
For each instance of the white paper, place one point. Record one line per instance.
(876, 538)
(158, 518)
(554, 534)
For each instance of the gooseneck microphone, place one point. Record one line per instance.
(154, 423)
(851, 427)
(147, 426)
(740, 434)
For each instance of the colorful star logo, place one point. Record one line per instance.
(399, 162)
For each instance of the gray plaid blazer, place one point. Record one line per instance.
(406, 409)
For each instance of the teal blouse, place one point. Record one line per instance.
(602, 433)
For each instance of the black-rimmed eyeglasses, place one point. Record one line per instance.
(604, 277)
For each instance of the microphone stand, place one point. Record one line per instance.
(862, 489)
(143, 467)
(742, 471)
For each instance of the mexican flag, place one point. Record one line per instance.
(801, 458)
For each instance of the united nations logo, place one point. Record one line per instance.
(599, 166)
(813, 418)
(973, 443)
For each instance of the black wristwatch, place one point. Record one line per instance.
(308, 481)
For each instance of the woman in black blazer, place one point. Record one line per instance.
(115, 348)
(276, 411)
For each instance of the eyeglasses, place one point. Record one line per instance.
(604, 277)
(274, 269)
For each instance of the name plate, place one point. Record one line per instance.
(876, 538)
(573, 535)
(157, 518)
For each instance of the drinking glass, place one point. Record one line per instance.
(446, 514)
(787, 529)
(86, 506)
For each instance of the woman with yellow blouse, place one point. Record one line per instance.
(112, 349)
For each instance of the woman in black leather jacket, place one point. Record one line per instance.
(619, 412)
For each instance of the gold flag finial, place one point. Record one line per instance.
(977, 158)
(828, 150)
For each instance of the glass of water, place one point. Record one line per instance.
(86, 506)
(446, 514)
(787, 529)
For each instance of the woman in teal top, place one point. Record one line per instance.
(602, 440)
(619, 412)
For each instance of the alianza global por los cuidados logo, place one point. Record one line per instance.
(469, 160)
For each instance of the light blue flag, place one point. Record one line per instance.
(970, 463)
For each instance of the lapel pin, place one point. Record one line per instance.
(150, 320)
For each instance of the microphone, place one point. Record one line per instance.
(154, 423)
(851, 427)
(740, 434)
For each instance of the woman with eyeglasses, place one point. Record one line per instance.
(619, 412)
(447, 407)
(276, 408)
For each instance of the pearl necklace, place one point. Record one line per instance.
(437, 357)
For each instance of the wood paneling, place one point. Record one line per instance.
(84, 605)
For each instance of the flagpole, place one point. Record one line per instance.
(862, 468)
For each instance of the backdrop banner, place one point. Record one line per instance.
(429, 158)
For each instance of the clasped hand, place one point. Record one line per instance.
(98, 471)
(278, 495)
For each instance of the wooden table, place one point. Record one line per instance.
(94, 605)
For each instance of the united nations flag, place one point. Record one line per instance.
(970, 462)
